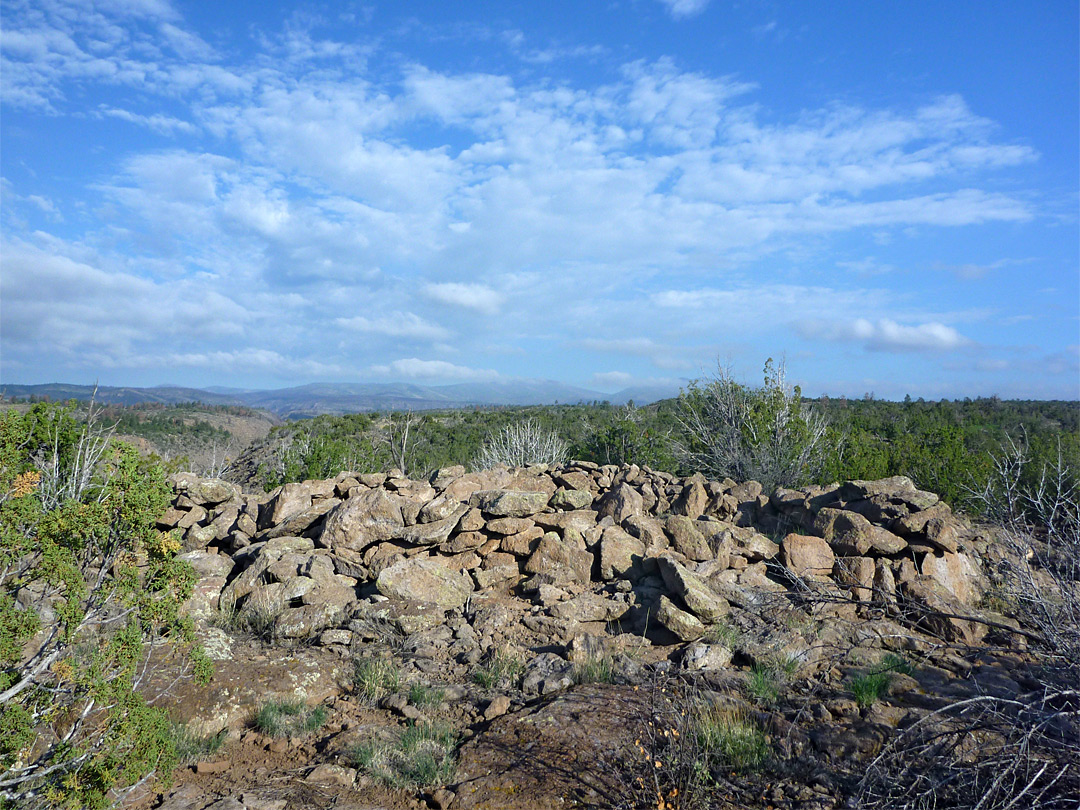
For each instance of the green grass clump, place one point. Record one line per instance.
(283, 718)
(423, 756)
(502, 668)
(769, 679)
(421, 695)
(764, 684)
(868, 689)
(594, 670)
(738, 742)
(191, 747)
(376, 677)
(722, 633)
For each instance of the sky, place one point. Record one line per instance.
(608, 194)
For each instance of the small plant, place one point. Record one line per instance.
(764, 684)
(282, 718)
(421, 695)
(868, 689)
(191, 747)
(733, 739)
(722, 633)
(768, 679)
(376, 677)
(502, 668)
(423, 756)
(594, 670)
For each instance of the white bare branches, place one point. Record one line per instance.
(521, 444)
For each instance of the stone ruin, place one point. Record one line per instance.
(579, 551)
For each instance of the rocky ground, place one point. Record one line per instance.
(564, 630)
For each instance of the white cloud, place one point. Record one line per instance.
(468, 296)
(415, 368)
(886, 335)
(680, 9)
(396, 324)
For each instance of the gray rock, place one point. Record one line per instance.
(508, 503)
(423, 579)
(682, 624)
(620, 503)
(698, 597)
(618, 553)
(365, 518)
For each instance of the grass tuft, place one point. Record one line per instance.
(191, 747)
(423, 756)
(733, 739)
(502, 668)
(424, 696)
(283, 718)
(594, 670)
(376, 677)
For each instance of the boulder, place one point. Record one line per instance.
(930, 607)
(570, 499)
(686, 539)
(365, 518)
(422, 579)
(849, 533)
(693, 500)
(958, 574)
(698, 597)
(618, 553)
(581, 520)
(509, 503)
(522, 543)
(679, 622)
(856, 573)
(898, 488)
(438, 508)
(204, 491)
(553, 556)
(806, 556)
(506, 526)
(435, 532)
(620, 503)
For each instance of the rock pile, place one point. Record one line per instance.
(647, 552)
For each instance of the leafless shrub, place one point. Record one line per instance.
(521, 444)
(766, 434)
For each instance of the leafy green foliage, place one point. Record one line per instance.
(86, 581)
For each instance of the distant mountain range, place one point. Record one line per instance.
(339, 398)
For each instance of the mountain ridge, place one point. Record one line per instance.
(316, 399)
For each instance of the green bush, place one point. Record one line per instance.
(87, 581)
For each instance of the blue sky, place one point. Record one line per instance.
(603, 193)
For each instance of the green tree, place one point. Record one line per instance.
(88, 587)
